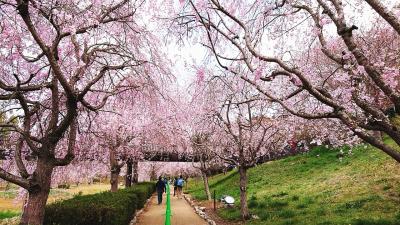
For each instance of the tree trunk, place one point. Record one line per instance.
(114, 179)
(244, 210)
(378, 135)
(135, 177)
(206, 186)
(128, 177)
(33, 212)
(115, 170)
(153, 172)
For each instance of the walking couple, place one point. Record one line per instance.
(161, 187)
(178, 185)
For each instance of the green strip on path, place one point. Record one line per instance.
(168, 211)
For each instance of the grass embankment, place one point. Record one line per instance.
(10, 207)
(317, 188)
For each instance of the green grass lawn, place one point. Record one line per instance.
(8, 214)
(317, 188)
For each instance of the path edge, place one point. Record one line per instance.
(199, 210)
(137, 213)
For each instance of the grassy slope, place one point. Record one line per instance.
(316, 188)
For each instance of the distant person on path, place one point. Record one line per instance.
(179, 184)
(175, 184)
(160, 187)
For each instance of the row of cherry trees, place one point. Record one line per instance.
(236, 126)
(83, 85)
(316, 59)
(61, 63)
(323, 70)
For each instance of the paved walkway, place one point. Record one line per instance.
(182, 213)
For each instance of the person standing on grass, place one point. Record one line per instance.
(160, 187)
(179, 184)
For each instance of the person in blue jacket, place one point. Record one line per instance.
(179, 184)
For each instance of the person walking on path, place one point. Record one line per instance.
(160, 187)
(179, 184)
(175, 185)
(165, 180)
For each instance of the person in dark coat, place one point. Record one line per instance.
(160, 187)
(175, 184)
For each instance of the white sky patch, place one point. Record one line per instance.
(184, 57)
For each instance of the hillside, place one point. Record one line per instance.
(317, 188)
